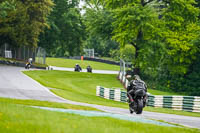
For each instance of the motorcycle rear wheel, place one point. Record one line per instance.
(139, 106)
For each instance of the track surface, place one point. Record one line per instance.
(84, 70)
(14, 84)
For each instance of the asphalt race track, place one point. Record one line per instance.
(14, 84)
(84, 70)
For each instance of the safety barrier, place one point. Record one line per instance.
(123, 79)
(113, 94)
(186, 103)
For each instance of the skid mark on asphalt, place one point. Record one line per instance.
(104, 114)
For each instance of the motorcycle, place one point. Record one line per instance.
(89, 69)
(139, 102)
(28, 65)
(77, 69)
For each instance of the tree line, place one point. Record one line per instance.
(163, 34)
(160, 37)
(22, 21)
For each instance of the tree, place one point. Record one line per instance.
(136, 23)
(127, 53)
(181, 30)
(66, 31)
(165, 34)
(98, 23)
(22, 21)
(181, 39)
(5, 31)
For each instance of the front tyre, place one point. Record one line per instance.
(139, 106)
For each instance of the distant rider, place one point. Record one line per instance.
(30, 61)
(77, 68)
(89, 68)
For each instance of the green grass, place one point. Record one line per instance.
(22, 119)
(170, 111)
(1, 58)
(96, 65)
(109, 58)
(59, 62)
(8, 59)
(45, 104)
(78, 86)
(125, 105)
(23, 61)
(82, 87)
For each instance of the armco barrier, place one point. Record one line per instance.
(186, 103)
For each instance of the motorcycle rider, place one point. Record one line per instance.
(89, 68)
(29, 63)
(77, 68)
(132, 88)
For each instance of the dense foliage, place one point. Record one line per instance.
(98, 21)
(165, 35)
(64, 38)
(22, 21)
(160, 37)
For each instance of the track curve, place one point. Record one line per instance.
(14, 84)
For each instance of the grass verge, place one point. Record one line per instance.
(59, 62)
(82, 87)
(170, 111)
(22, 119)
(76, 86)
(45, 104)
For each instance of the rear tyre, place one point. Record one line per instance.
(139, 106)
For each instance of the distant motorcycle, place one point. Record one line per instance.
(89, 69)
(140, 98)
(77, 68)
(28, 65)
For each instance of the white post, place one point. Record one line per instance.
(124, 66)
(92, 53)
